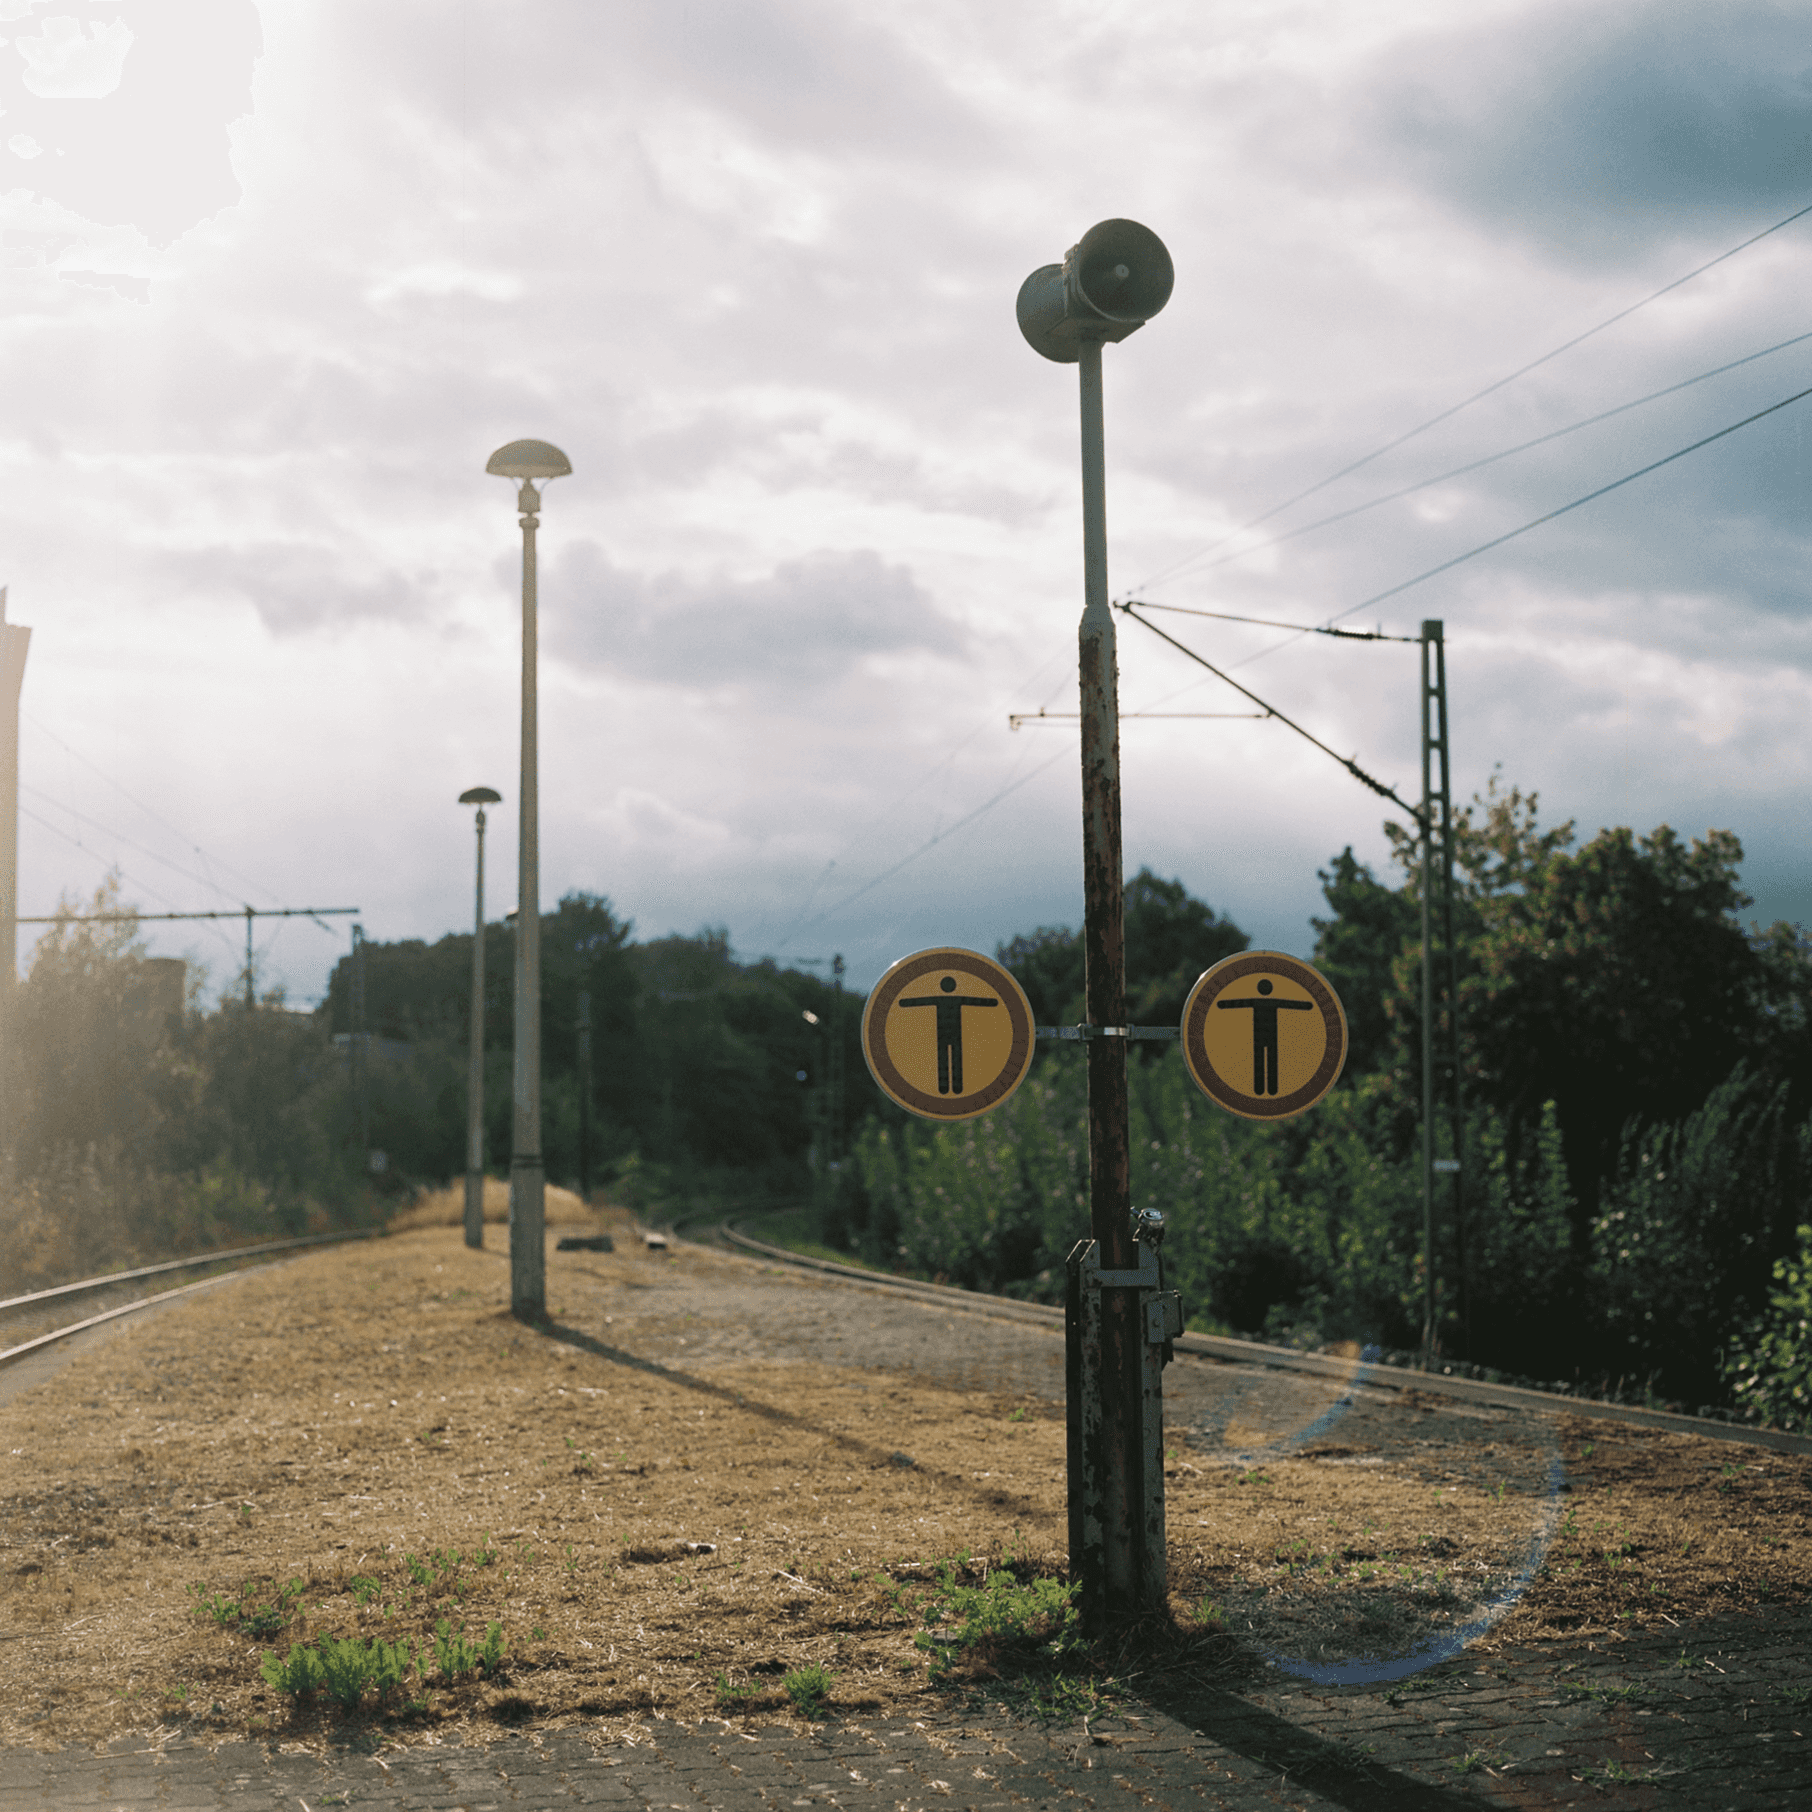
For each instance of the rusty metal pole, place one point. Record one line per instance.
(1115, 1577)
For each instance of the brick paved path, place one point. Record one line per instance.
(1714, 1722)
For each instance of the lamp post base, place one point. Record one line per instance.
(475, 1209)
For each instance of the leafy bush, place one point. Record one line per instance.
(1770, 1368)
(1683, 1248)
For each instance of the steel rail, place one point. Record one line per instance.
(129, 1308)
(1375, 1375)
(180, 1264)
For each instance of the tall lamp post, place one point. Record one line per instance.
(1109, 285)
(525, 461)
(480, 796)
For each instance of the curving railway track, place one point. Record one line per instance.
(29, 1313)
(1366, 1371)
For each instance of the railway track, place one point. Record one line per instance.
(14, 1307)
(1365, 1371)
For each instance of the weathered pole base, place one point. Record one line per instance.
(475, 1208)
(1127, 1577)
(528, 1241)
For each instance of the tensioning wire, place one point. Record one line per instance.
(1423, 484)
(1447, 414)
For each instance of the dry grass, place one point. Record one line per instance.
(446, 1207)
(370, 1422)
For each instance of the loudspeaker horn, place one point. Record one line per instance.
(1044, 315)
(1110, 283)
(1120, 272)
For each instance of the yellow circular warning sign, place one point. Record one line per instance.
(1264, 1035)
(947, 1034)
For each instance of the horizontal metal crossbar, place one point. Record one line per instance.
(1073, 1033)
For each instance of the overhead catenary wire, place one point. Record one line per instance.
(800, 922)
(25, 811)
(1224, 616)
(1346, 761)
(150, 812)
(1485, 547)
(1202, 563)
(930, 843)
(1477, 396)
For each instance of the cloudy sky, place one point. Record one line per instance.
(280, 276)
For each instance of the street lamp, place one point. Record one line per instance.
(1109, 285)
(480, 796)
(525, 461)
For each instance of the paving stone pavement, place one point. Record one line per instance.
(1711, 1720)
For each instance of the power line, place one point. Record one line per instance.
(1423, 484)
(1222, 616)
(1389, 446)
(149, 811)
(1346, 761)
(120, 837)
(1485, 547)
(25, 811)
(930, 843)
(1604, 490)
(800, 922)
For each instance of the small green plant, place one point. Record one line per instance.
(958, 1619)
(456, 1657)
(252, 1613)
(343, 1666)
(299, 1676)
(486, 1556)
(1210, 1617)
(808, 1687)
(1473, 1760)
(733, 1695)
(245, 1516)
(364, 1588)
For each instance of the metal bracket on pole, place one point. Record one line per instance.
(1090, 1472)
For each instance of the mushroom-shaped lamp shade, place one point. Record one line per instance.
(529, 459)
(480, 795)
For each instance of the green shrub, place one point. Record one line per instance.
(1770, 1369)
(997, 1614)
(808, 1688)
(344, 1666)
(299, 1676)
(456, 1657)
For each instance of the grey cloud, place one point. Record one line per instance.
(809, 622)
(1600, 131)
(296, 587)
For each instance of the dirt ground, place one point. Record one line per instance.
(707, 1475)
